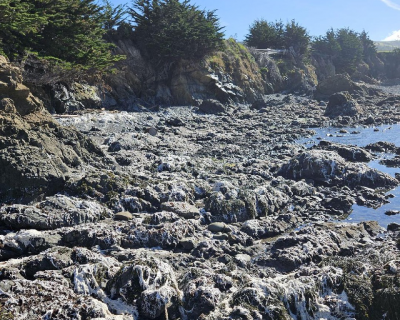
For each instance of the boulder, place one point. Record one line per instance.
(211, 106)
(334, 84)
(342, 104)
(182, 209)
(218, 227)
(259, 104)
(123, 216)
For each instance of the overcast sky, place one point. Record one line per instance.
(380, 18)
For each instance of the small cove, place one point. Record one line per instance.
(363, 137)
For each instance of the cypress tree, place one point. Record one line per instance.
(66, 31)
(171, 30)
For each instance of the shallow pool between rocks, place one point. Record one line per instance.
(362, 136)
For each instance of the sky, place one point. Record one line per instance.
(379, 18)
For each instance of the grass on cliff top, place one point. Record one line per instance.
(235, 59)
(232, 51)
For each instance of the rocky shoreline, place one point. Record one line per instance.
(206, 212)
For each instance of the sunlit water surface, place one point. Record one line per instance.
(365, 136)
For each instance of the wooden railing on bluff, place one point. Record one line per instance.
(273, 51)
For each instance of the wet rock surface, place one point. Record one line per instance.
(182, 214)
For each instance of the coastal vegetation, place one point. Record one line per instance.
(81, 34)
(170, 30)
(345, 47)
(263, 34)
(68, 32)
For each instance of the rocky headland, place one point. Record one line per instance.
(206, 211)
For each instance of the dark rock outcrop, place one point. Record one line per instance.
(334, 84)
(37, 155)
(211, 106)
(327, 167)
(342, 104)
(350, 153)
(55, 212)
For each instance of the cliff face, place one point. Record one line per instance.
(37, 155)
(235, 74)
(229, 76)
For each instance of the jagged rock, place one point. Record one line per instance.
(312, 243)
(259, 104)
(338, 204)
(392, 212)
(382, 146)
(231, 209)
(393, 226)
(327, 167)
(267, 227)
(393, 162)
(7, 105)
(301, 188)
(201, 294)
(27, 242)
(342, 104)
(162, 217)
(56, 301)
(73, 97)
(350, 153)
(37, 155)
(207, 249)
(150, 283)
(11, 87)
(54, 212)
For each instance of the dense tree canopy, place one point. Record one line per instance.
(346, 47)
(18, 21)
(264, 34)
(296, 36)
(169, 30)
(69, 31)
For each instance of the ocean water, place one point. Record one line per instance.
(365, 136)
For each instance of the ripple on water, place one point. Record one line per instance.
(365, 136)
